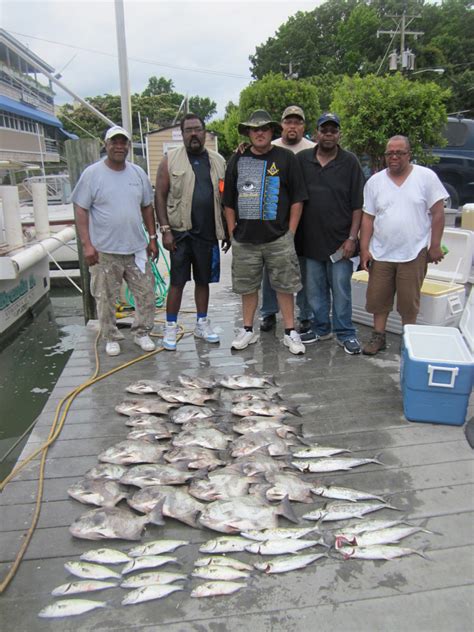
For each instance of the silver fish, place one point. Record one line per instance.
(196, 458)
(220, 487)
(145, 386)
(113, 523)
(152, 577)
(278, 547)
(197, 382)
(379, 552)
(105, 556)
(197, 424)
(374, 524)
(147, 561)
(258, 424)
(267, 441)
(239, 514)
(317, 451)
(100, 492)
(230, 544)
(187, 413)
(106, 471)
(284, 484)
(258, 464)
(390, 535)
(147, 593)
(222, 573)
(157, 474)
(197, 397)
(156, 547)
(211, 589)
(148, 434)
(341, 510)
(86, 570)
(222, 560)
(86, 585)
(148, 421)
(175, 503)
(131, 407)
(128, 452)
(203, 437)
(344, 493)
(277, 534)
(267, 409)
(237, 397)
(332, 464)
(288, 563)
(236, 382)
(69, 608)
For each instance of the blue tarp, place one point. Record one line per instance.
(15, 107)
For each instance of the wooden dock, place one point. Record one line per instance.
(352, 402)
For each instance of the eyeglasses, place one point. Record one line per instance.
(395, 154)
(191, 130)
(262, 128)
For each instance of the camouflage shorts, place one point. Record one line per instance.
(280, 259)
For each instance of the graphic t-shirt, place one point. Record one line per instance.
(261, 189)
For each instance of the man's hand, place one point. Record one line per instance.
(91, 256)
(348, 248)
(365, 259)
(435, 254)
(152, 249)
(168, 241)
(226, 244)
(241, 147)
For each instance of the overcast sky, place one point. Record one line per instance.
(171, 39)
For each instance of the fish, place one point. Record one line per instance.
(278, 534)
(149, 434)
(278, 547)
(341, 510)
(247, 512)
(374, 524)
(106, 471)
(317, 451)
(236, 382)
(105, 556)
(332, 464)
(148, 561)
(101, 492)
(267, 409)
(110, 523)
(156, 474)
(220, 487)
(149, 578)
(222, 560)
(195, 457)
(203, 437)
(184, 414)
(86, 570)
(230, 544)
(156, 547)
(149, 421)
(390, 535)
(197, 382)
(267, 440)
(291, 485)
(132, 407)
(378, 552)
(344, 493)
(146, 386)
(222, 573)
(69, 608)
(175, 503)
(288, 563)
(211, 589)
(257, 424)
(147, 593)
(129, 452)
(87, 585)
(195, 424)
(237, 397)
(254, 464)
(194, 396)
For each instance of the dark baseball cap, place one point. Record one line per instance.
(329, 117)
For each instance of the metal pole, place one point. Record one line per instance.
(123, 70)
(40, 148)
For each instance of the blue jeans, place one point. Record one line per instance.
(270, 301)
(325, 281)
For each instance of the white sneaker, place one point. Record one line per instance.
(244, 339)
(204, 330)
(293, 342)
(169, 336)
(112, 348)
(145, 342)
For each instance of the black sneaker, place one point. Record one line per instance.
(308, 337)
(268, 323)
(350, 346)
(305, 326)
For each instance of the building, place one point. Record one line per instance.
(30, 131)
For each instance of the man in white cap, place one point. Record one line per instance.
(112, 200)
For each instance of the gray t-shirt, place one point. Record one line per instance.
(114, 200)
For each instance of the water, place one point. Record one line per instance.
(31, 363)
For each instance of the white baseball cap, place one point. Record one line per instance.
(116, 130)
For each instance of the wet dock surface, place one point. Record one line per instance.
(351, 402)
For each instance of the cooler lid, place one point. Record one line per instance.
(456, 265)
(466, 324)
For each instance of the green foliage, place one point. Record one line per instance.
(202, 106)
(158, 86)
(372, 109)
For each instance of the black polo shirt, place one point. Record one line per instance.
(334, 192)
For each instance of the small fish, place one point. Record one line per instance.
(87, 585)
(131, 407)
(112, 523)
(155, 474)
(317, 451)
(148, 434)
(257, 424)
(203, 437)
(129, 452)
(254, 464)
(211, 589)
(378, 552)
(332, 465)
(220, 487)
(69, 608)
(106, 471)
(152, 577)
(267, 441)
(224, 545)
(366, 525)
(156, 547)
(236, 382)
(100, 492)
(147, 561)
(267, 409)
(147, 593)
(148, 421)
(105, 556)
(194, 396)
(288, 563)
(184, 414)
(277, 534)
(197, 382)
(290, 485)
(390, 535)
(219, 573)
(237, 397)
(195, 457)
(175, 502)
(279, 547)
(341, 510)
(86, 570)
(344, 493)
(145, 386)
(222, 560)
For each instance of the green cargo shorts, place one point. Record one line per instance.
(280, 259)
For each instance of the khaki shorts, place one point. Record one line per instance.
(280, 259)
(405, 279)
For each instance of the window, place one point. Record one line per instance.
(20, 123)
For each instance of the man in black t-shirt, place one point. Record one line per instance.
(263, 196)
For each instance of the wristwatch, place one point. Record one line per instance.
(166, 228)
(352, 238)
(153, 236)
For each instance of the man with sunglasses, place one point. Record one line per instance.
(401, 232)
(263, 198)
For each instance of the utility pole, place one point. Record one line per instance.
(291, 74)
(125, 99)
(406, 58)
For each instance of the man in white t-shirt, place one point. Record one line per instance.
(401, 232)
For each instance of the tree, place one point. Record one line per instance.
(158, 86)
(372, 109)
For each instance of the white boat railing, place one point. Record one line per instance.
(58, 188)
